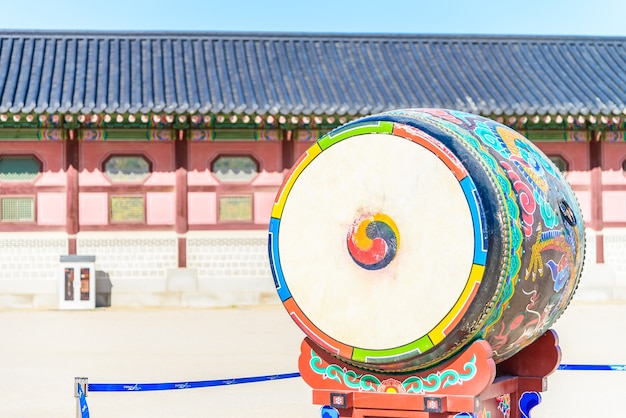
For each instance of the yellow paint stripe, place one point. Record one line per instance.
(458, 310)
(279, 205)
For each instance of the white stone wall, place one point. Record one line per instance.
(232, 266)
(615, 251)
(224, 268)
(137, 263)
(615, 258)
(605, 281)
(29, 268)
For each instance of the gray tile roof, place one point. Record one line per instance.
(308, 74)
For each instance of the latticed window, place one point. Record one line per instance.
(19, 168)
(235, 169)
(17, 209)
(236, 173)
(235, 208)
(560, 163)
(127, 168)
(127, 209)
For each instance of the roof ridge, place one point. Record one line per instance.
(260, 35)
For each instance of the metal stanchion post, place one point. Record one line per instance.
(83, 383)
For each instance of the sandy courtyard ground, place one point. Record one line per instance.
(42, 351)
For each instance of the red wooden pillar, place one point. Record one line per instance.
(182, 225)
(71, 170)
(287, 149)
(595, 167)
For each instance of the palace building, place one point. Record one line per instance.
(161, 153)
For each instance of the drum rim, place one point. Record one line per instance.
(377, 357)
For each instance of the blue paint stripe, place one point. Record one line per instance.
(142, 387)
(480, 232)
(277, 270)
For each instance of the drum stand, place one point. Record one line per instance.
(469, 385)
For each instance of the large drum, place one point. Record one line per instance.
(398, 239)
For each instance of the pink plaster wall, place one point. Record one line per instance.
(268, 179)
(201, 178)
(202, 204)
(93, 208)
(52, 178)
(299, 148)
(92, 178)
(614, 206)
(161, 179)
(578, 176)
(51, 208)
(613, 175)
(263, 202)
(575, 153)
(51, 204)
(201, 208)
(584, 201)
(160, 208)
(613, 156)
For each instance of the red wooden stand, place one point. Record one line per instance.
(469, 385)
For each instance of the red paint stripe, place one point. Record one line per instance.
(436, 147)
(315, 333)
(312, 335)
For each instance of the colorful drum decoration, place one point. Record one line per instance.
(398, 239)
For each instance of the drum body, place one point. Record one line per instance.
(398, 239)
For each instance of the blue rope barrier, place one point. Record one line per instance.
(136, 387)
(594, 367)
(82, 403)
(83, 409)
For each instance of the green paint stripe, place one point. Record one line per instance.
(19, 134)
(356, 129)
(419, 346)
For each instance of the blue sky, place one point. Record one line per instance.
(530, 17)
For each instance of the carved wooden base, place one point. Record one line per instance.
(469, 385)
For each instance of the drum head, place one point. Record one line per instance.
(375, 243)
